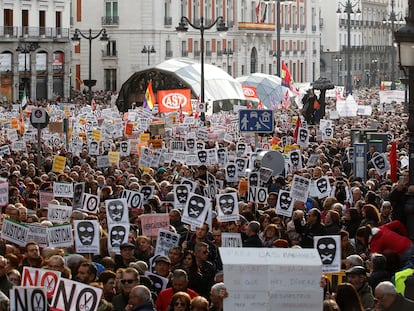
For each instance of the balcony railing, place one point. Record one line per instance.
(287, 52)
(295, 52)
(208, 53)
(169, 53)
(110, 20)
(197, 53)
(167, 21)
(9, 32)
(109, 54)
(35, 32)
(295, 27)
(302, 27)
(219, 53)
(184, 53)
(287, 27)
(313, 27)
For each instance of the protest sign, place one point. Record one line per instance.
(284, 205)
(227, 207)
(63, 189)
(265, 279)
(90, 203)
(44, 198)
(14, 232)
(151, 223)
(4, 193)
(134, 199)
(78, 190)
(231, 239)
(300, 188)
(165, 240)
(71, 295)
(59, 163)
(59, 213)
(196, 210)
(28, 298)
(60, 236)
(49, 279)
(118, 234)
(37, 233)
(116, 211)
(329, 249)
(86, 236)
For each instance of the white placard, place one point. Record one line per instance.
(62, 190)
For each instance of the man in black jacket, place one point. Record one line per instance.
(313, 227)
(252, 232)
(140, 299)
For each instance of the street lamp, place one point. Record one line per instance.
(26, 48)
(229, 53)
(338, 59)
(404, 38)
(148, 50)
(76, 39)
(348, 9)
(183, 28)
(392, 20)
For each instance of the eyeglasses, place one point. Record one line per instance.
(177, 304)
(128, 281)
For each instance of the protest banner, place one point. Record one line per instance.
(60, 236)
(151, 223)
(300, 188)
(28, 298)
(165, 240)
(231, 239)
(59, 213)
(71, 295)
(37, 233)
(284, 205)
(78, 190)
(63, 189)
(265, 279)
(49, 279)
(14, 232)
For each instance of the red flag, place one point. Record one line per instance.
(249, 105)
(286, 101)
(382, 86)
(297, 127)
(393, 161)
(286, 78)
(257, 11)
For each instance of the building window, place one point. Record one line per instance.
(111, 48)
(25, 22)
(111, 12)
(110, 79)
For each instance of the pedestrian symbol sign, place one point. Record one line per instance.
(256, 121)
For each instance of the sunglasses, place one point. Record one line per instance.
(127, 281)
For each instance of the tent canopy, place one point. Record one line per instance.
(220, 88)
(268, 87)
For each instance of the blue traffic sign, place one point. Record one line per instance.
(257, 121)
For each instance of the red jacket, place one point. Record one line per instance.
(391, 236)
(164, 298)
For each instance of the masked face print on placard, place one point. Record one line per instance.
(200, 145)
(181, 195)
(117, 235)
(379, 162)
(202, 156)
(231, 173)
(124, 148)
(241, 149)
(254, 179)
(86, 232)
(295, 159)
(241, 164)
(284, 205)
(222, 156)
(196, 205)
(147, 191)
(303, 137)
(93, 148)
(285, 201)
(191, 184)
(227, 204)
(322, 185)
(190, 144)
(115, 210)
(327, 249)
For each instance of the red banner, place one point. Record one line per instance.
(171, 100)
(249, 91)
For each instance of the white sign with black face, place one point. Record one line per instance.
(327, 133)
(227, 206)
(284, 204)
(191, 183)
(222, 156)
(90, 203)
(295, 160)
(117, 211)
(147, 191)
(190, 144)
(134, 198)
(106, 146)
(124, 148)
(329, 249)
(303, 137)
(231, 173)
(264, 175)
(78, 190)
(199, 145)
(323, 187)
(241, 165)
(212, 155)
(86, 236)
(202, 156)
(300, 188)
(241, 149)
(196, 210)
(93, 148)
(212, 185)
(381, 164)
(118, 234)
(181, 194)
(254, 179)
(165, 240)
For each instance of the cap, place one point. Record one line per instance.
(161, 170)
(356, 270)
(127, 245)
(163, 259)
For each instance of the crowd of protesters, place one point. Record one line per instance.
(376, 247)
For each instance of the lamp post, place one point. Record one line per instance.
(26, 48)
(148, 50)
(348, 9)
(338, 59)
(229, 53)
(76, 39)
(405, 40)
(183, 28)
(392, 19)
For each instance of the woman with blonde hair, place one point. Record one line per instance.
(180, 301)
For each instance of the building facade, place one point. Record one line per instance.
(35, 49)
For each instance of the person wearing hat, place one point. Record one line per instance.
(126, 257)
(163, 266)
(357, 276)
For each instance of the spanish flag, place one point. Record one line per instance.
(149, 99)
